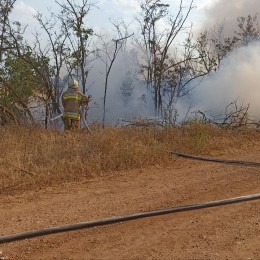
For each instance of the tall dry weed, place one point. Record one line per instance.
(32, 157)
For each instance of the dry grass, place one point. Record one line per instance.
(32, 157)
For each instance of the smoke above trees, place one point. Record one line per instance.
(168, 71)
(226, 13)
(237, 79)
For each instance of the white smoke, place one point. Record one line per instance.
(124, 71)
(238, 78)
(226, 13)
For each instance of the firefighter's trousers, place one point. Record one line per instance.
(71, 124)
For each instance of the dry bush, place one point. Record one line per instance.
(32, 157)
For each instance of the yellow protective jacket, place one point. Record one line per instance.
(72, 99)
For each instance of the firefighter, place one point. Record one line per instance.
(72, 100)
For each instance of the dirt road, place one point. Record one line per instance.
(225, 232)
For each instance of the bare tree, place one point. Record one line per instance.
(248, 29)
(212, 46)
(108, 54)
(157, 44)
(127, 86)
(58, 49)
(72, 16)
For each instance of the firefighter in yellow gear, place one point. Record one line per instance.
(72, 100)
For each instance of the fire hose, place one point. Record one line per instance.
(81, 115)
(118, 219)
(209, 159)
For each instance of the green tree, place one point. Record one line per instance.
(13, 100)
(6, 7)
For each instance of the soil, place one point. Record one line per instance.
(224, 232)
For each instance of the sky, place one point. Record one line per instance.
(209, 11)
(237, 78)
(99, 17)
(206, 14)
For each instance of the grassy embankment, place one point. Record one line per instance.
(33, 157)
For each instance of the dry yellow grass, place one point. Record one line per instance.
(32, 157)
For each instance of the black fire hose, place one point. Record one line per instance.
(209, 159)
(112, 220)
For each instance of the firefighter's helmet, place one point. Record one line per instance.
(73, 84)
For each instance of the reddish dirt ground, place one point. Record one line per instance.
(224, 232)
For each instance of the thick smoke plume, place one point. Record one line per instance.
(238, 78)
(127, 96)
(226, 12)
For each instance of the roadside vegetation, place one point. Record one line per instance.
(35, 73)
(32, 157)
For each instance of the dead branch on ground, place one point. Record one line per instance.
(235, 116)
(143, 123)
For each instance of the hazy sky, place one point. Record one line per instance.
(207, 13)
(99, 17)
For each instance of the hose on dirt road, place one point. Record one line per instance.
(113, 220)
(209, 159)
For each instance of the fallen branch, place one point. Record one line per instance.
(142, 123)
